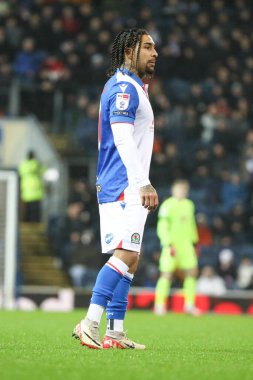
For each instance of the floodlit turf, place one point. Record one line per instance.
(38, 345)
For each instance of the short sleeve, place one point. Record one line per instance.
(123, 103)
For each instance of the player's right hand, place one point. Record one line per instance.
(149, 197)
(172, 251)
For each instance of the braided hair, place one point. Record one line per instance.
(126, 39)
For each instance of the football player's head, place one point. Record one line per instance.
(180, 188)
(133, 49)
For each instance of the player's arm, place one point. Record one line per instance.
(194, 230)
(128, 151)
(122, 124)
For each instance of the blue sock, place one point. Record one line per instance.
(107, 280)
(116, 308)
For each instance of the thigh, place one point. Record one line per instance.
(167, 263)
(186, 256)
(122, 225)
(135, 216)
(111, 225)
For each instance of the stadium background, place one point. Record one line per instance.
(53, 58)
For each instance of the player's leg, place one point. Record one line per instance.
(107, 280)
(190, 291)
(188, 263)
(115, 336)
(167, 264)
(117, 307)
(108, 277)
(134, 217)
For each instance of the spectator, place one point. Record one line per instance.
(69, 22)
(14, 33)
(32, 187)
(80, 193)
(226, 268)
(86, 130)
(69, 233)
(234, 191)
(77, 253)
(245, 274)
(82, 265)
(204, 231)
(210, 283)
(28, 60)
(209, 121)
(52, 69)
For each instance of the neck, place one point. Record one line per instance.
(133, 70)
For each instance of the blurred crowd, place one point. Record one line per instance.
(74, 236)
(201, 96)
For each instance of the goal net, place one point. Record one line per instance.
(8, 236)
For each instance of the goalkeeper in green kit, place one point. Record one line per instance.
(177, 231)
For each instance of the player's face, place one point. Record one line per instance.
(147, 57)
(180, 191)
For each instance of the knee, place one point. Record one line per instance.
(192, 272)
(133, 260)
(128, 257)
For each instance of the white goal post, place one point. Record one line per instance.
(8, 237)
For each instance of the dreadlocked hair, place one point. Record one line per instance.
(126, 39)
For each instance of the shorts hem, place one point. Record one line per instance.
(125, 245)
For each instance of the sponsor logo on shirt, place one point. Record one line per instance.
(120, 113)
(108, 238)
(122, 101)
(135, 238)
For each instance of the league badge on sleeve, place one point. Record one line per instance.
(122, 101)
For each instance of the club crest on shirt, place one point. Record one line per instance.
(135, 238)
(122, 101)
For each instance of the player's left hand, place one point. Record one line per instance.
(149, 197)
(197, 249)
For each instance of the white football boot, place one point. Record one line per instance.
(87, 332)
(116, 339)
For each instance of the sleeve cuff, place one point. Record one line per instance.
(120, 119)
(143, 182)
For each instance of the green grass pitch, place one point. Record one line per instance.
(38, 345)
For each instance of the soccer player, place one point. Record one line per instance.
(176, 229)
(125, 194)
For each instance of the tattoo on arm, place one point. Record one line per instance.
(147, 189)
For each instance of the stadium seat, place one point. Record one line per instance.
(144, 300)
(250, 309)
(177, 303)
(203, 303)
(227, 308)
(130, 301)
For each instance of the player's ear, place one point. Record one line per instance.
(128, 52)
(128, 56)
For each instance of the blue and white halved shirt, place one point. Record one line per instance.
(124, 100)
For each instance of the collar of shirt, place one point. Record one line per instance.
(131, 74)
